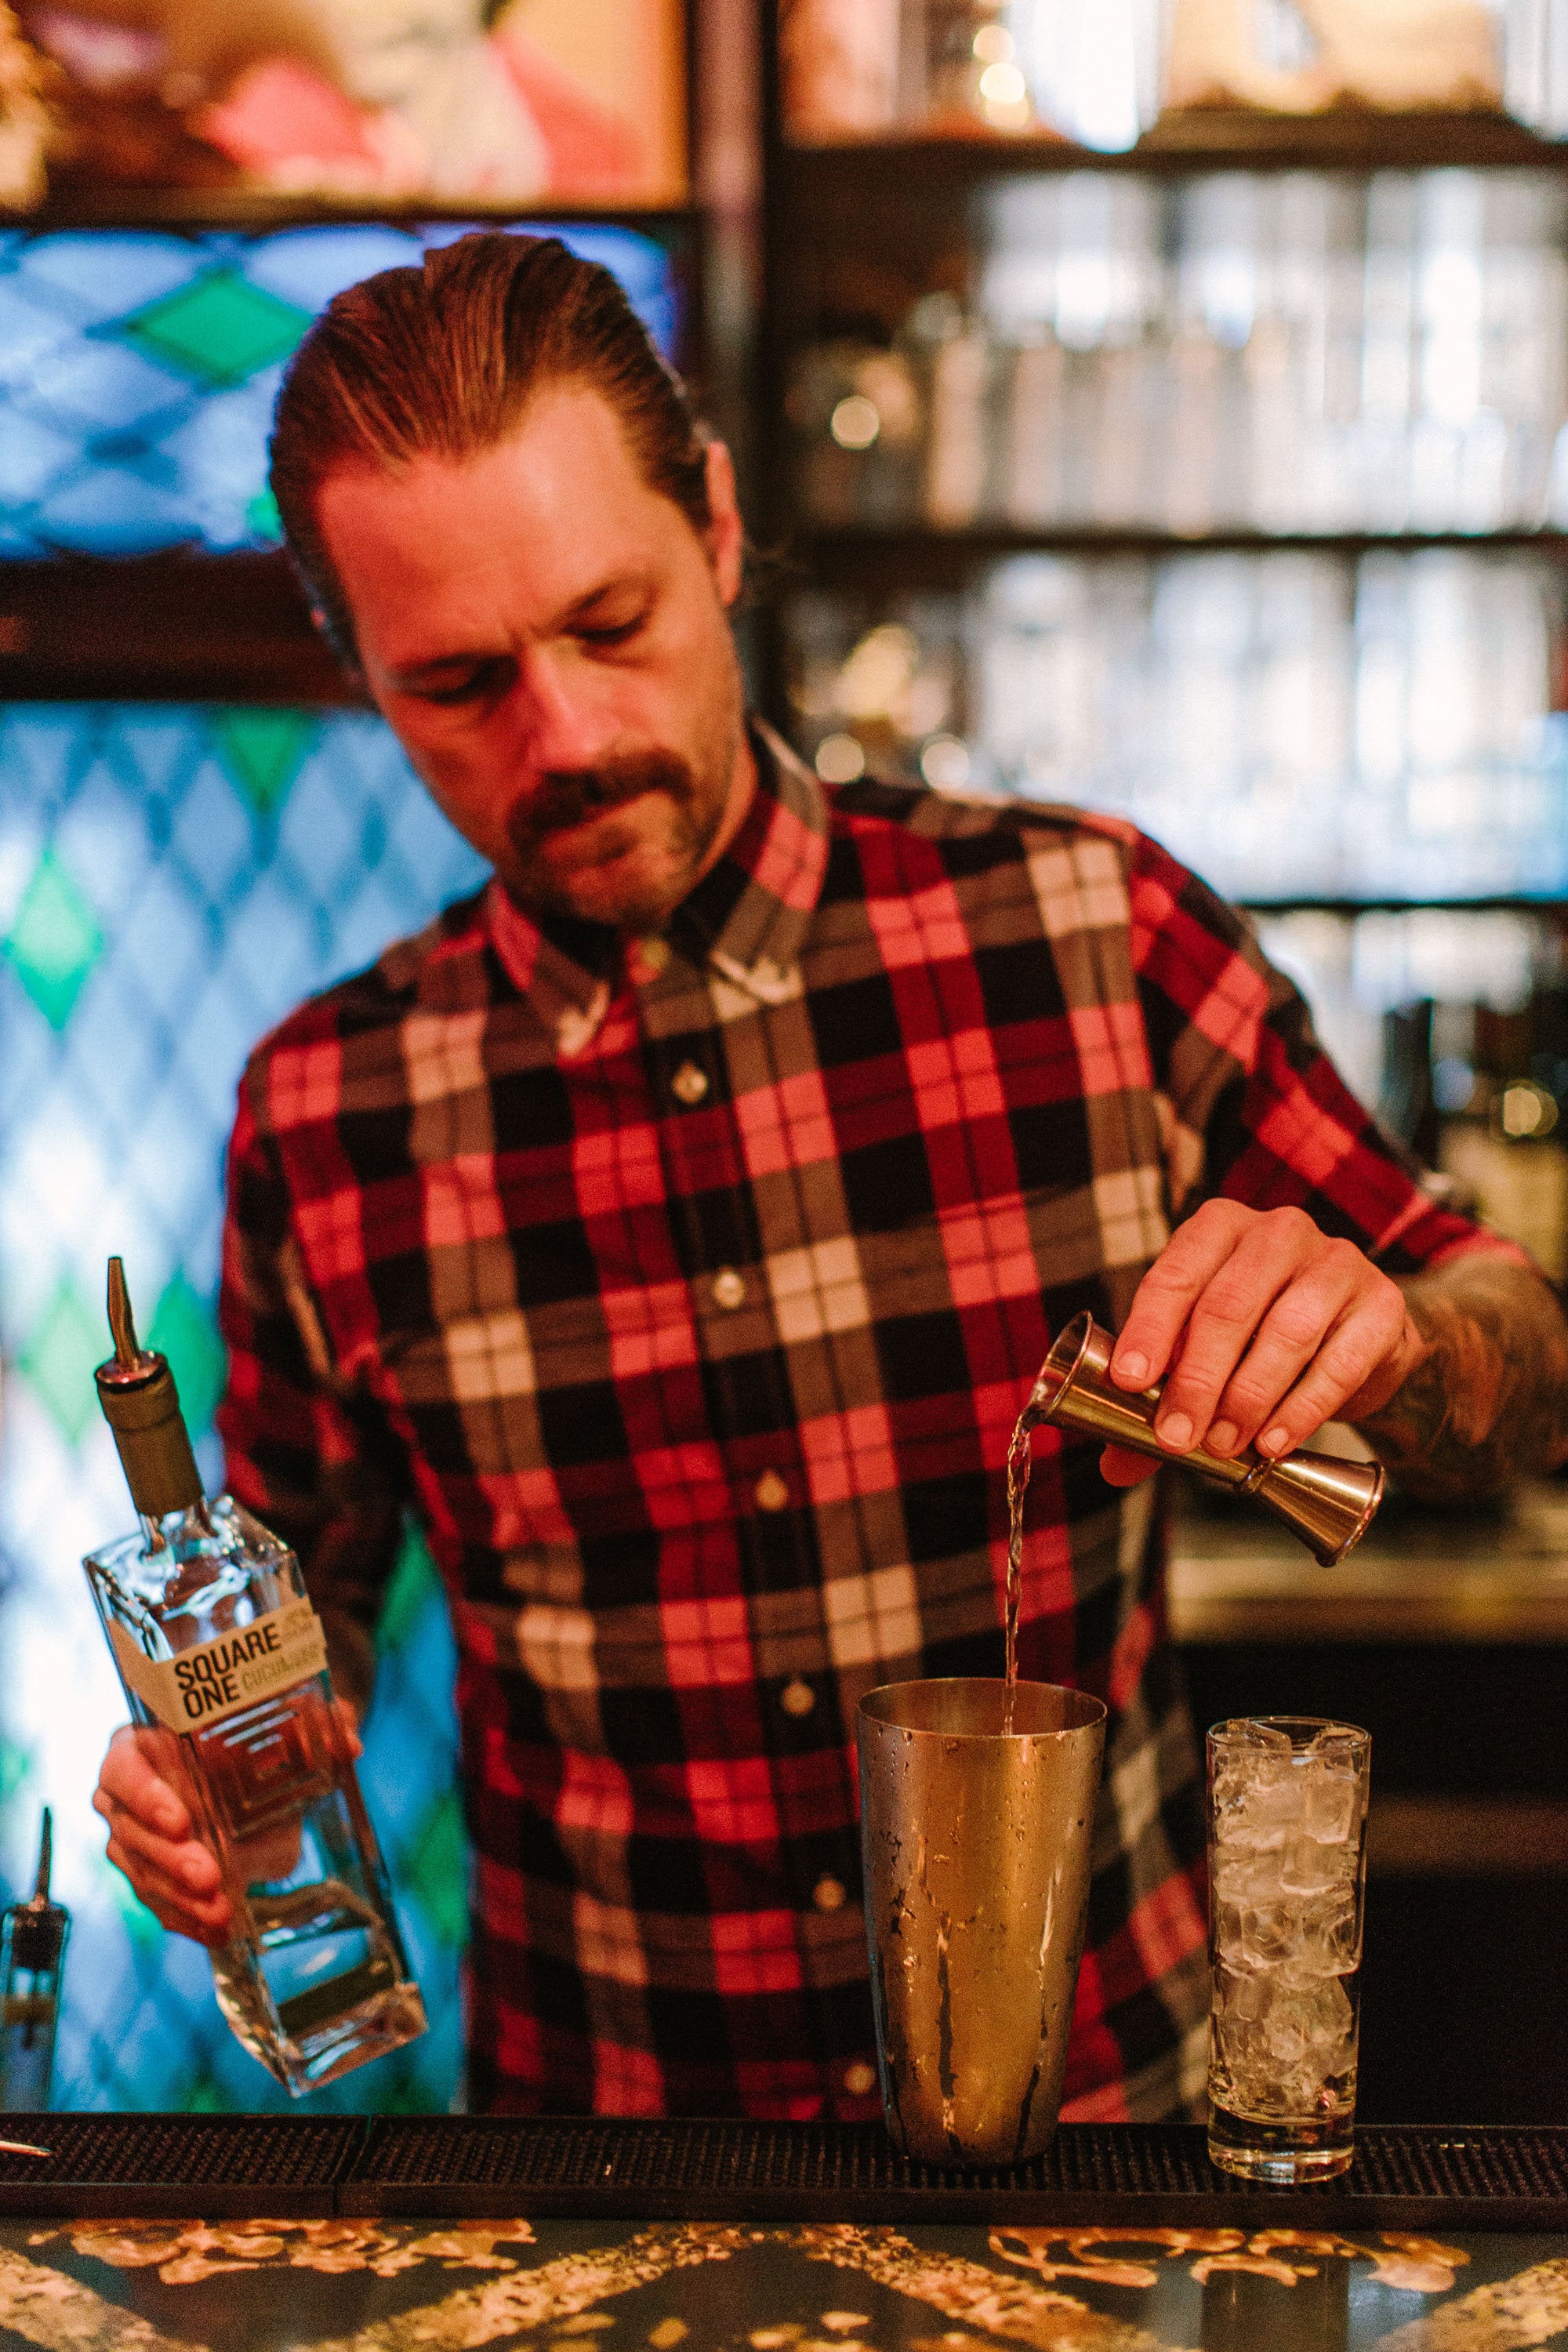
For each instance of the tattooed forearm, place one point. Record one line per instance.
(1487, 1402)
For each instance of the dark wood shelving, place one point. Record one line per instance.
(1345, 139)
(926, 556)
(261, 211)
(1549, 906)
(175, 627)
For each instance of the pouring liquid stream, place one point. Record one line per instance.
(1020, 1461)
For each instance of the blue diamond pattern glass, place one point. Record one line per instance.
(221, 863)
(139, 368)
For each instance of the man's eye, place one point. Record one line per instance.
(486, 679)
(617, 634)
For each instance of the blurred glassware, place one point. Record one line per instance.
(1231, 351)
(1103, 76)
(1096, 75)
(1293, 724)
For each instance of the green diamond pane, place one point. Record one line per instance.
(262, 517)
(143, 1930)
(59, 1357)
(434, 1871)
(263, 752)
(54, 940)
(183, 1330)
(415, 1583)
(217, 331)
(16, 1769)
(209, 2097)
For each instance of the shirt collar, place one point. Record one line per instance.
(747, 918)
(568, 995)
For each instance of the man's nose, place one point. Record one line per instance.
(565, 726)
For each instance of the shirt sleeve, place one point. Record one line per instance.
(1253, 1110)
(312, 1458)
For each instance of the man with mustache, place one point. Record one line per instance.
(677, 1228)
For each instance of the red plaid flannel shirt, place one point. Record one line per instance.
(688, 1292)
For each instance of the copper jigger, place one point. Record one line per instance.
(1330, 1504)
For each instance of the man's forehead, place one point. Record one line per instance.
(556, 508)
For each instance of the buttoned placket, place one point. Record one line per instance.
(755, 956)
(689, 1081)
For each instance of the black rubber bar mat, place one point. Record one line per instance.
(748, 2172)
(1485, 2177)
(224, 2167)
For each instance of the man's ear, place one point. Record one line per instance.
(347, 656)
(726, 531)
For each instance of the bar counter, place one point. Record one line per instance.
(141, 2233)
(1495, 1574)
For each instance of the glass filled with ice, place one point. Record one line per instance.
(1287, 1810)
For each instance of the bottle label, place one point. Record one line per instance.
(219, 1677)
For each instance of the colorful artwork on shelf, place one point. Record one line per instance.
(505, 102)
(138, 370)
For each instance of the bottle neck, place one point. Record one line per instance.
(174, 1530)
(141, 1406)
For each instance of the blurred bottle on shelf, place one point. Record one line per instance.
(859, 416)
(1455, 1024)
(956, 365)
(1404, 1098)
(1535, 64)
(839, 63)
(1279, 353)
(968, 61)
(32, 1956)
(1500, 1075)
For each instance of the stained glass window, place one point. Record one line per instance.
(138, 370)
(171, 881)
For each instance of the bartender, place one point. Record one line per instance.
(677, 1226)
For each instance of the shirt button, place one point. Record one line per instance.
(828, 1894)
(729, 1289)
(771, 1492)
(859, 2078)
(797, 1697)
(653, 954)
(689, 1084)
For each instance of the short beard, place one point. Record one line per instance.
(565, 799)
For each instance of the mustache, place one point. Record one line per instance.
(567, 797)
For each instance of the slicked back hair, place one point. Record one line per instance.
(441, 361)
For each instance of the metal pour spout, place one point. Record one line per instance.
(46, 1846)
(122, 1322)
(142, 1405)
(1328, 1502)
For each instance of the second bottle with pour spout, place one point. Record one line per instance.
(224, 1666)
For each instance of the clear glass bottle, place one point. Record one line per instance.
(224, 1666)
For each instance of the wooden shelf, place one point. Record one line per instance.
(925, 557)
(178, 627)
(1346, 139)
(261, 211)
(1553, 907)
(1496, 1573)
